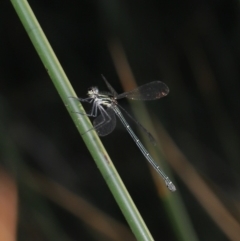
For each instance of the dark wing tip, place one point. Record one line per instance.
(163, 91)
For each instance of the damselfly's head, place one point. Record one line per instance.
(93, 92)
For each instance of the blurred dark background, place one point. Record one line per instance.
(193, 46)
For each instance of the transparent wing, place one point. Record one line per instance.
(105, 123)
(113, 91)
(151, 91)
(149, 135)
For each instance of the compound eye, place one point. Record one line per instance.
(94, 90)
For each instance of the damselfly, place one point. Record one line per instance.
(105, 106)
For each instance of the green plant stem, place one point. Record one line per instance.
(82, 122)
